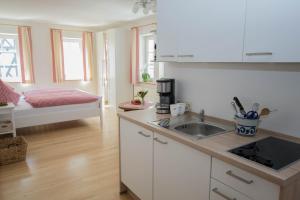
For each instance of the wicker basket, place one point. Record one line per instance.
(12, 150)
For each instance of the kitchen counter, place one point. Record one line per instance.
(217, 146)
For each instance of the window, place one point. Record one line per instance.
(147, 58)
(73, 58)
(149, 70)
(10, 69)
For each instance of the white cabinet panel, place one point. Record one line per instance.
(211, 30)
(244, 182)
(168, 12)
(180, 172)
(272, 31)
(219, 191)
(136, 145)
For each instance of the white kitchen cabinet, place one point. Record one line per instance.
(219, 191)
(167, 26)
(253, 186)
(200, 30)
(210, 30)
(272, 31)
(136, 146)
(180, 172)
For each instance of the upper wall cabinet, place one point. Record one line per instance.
(167, 11)
(272, 31)
(201, 30)
(228, 30)
(210, 30)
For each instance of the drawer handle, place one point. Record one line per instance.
(215, 190)
(167, 56)
(186, 56)
(259, 54)
(158, 140)
(143, 134)
(230, 173)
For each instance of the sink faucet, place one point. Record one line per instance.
(201, 115)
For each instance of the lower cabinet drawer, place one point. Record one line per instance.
(6, 126)
(219, 191)
(251, 185)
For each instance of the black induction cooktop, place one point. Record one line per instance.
(272, 152)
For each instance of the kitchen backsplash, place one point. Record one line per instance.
(212, 86)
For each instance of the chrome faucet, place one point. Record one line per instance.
(202, 115)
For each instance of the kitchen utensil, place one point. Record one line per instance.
(255, 107)
(234, 107)
(238, 103)
(252, 115)
(265, 112)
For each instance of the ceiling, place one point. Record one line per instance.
(84, 13)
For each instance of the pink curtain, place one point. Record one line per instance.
(88, 55)
(57, 55)
(25, 43)
(134, 55)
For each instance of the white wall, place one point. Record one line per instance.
(212, 87)
(42, 60)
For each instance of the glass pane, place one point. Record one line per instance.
(73, 60)
(9, 59)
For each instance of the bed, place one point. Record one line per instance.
(26, 114)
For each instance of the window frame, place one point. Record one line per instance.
(15, 37)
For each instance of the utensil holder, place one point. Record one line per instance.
(246, 127)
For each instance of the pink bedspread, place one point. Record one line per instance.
(58, 97)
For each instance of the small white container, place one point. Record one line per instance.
(181, 108)
(246, 127)
(174, 108)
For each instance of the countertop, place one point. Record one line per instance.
(217, 146)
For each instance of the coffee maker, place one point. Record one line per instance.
(166, 91)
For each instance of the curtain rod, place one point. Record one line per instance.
(15, 25)
(144, 25)
(52, 26)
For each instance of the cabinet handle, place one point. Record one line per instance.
(185, 56)
(259, 54)
(162, 142)
(143, 134)
(215, 190)
(167, 56)
(230, 173)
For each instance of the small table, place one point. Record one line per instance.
(7, 122)
(128, 106)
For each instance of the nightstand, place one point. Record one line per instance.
(7, 122)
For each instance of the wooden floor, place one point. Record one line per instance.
(73, 160)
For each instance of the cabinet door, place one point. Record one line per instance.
(167, 25)
(211, 30)
(180, 172)
(136, 145)
(272, 31)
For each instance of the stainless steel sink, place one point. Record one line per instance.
(193, 127)
(199, 129)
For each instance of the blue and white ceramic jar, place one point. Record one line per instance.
(246, 127)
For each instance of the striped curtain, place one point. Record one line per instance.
(57, 55)
(88, 59)
(25, 43)
(134, 55)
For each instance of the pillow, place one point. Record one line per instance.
(7, 94)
